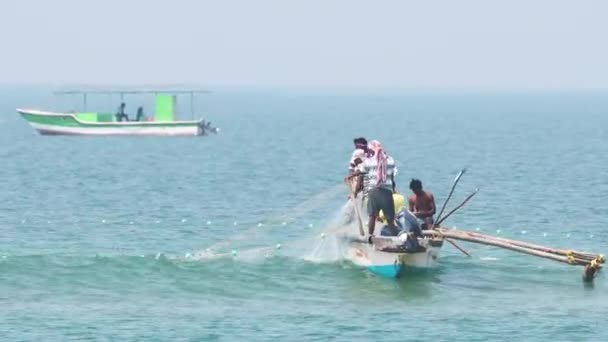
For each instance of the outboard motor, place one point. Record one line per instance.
(205, 127)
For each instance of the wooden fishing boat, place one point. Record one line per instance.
(85, 122)
(388, 257)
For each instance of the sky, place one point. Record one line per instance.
(328, 43)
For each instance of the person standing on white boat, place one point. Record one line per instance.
(379, 168)
(355, 180)
(360, 153)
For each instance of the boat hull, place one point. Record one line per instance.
(392, 264)
(48, 123)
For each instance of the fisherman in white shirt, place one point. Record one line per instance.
(379, 168)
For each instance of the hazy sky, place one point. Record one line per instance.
(455, 43)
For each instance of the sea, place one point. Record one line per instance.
(228, 237)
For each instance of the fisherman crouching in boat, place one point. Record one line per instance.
(406, 221)
(422, 204)
(379, 168)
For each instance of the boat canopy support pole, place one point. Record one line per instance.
(192, 104)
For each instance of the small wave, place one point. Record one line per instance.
(246, 255)
(489, 259)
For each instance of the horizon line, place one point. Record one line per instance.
(147, 85)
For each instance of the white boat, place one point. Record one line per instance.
(388, 257)
(86, 122)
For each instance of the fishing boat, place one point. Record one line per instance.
(388, 257)
(163, 122)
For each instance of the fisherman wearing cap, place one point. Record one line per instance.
(359, 154)
(357, 180)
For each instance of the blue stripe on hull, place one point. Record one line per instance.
(389, 271)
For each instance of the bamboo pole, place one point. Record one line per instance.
(457, 207)
(353, 194)
(580, 255)
(457, 235)
(451, 192)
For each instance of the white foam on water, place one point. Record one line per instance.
(245, 255)
(489, 259)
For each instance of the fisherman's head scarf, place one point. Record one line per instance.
(381, 159)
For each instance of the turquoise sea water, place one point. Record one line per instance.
(132, 238)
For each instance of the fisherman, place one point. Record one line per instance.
(359, 154)
(120, 114)
(357, 180)
(140, 113)
(422, 203)
(379, 168)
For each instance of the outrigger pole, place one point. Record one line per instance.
(592, 262)
(451, 192)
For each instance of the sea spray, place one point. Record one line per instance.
(242, 255)
(327, 247)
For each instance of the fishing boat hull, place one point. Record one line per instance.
(390, 262)
(49, 123)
